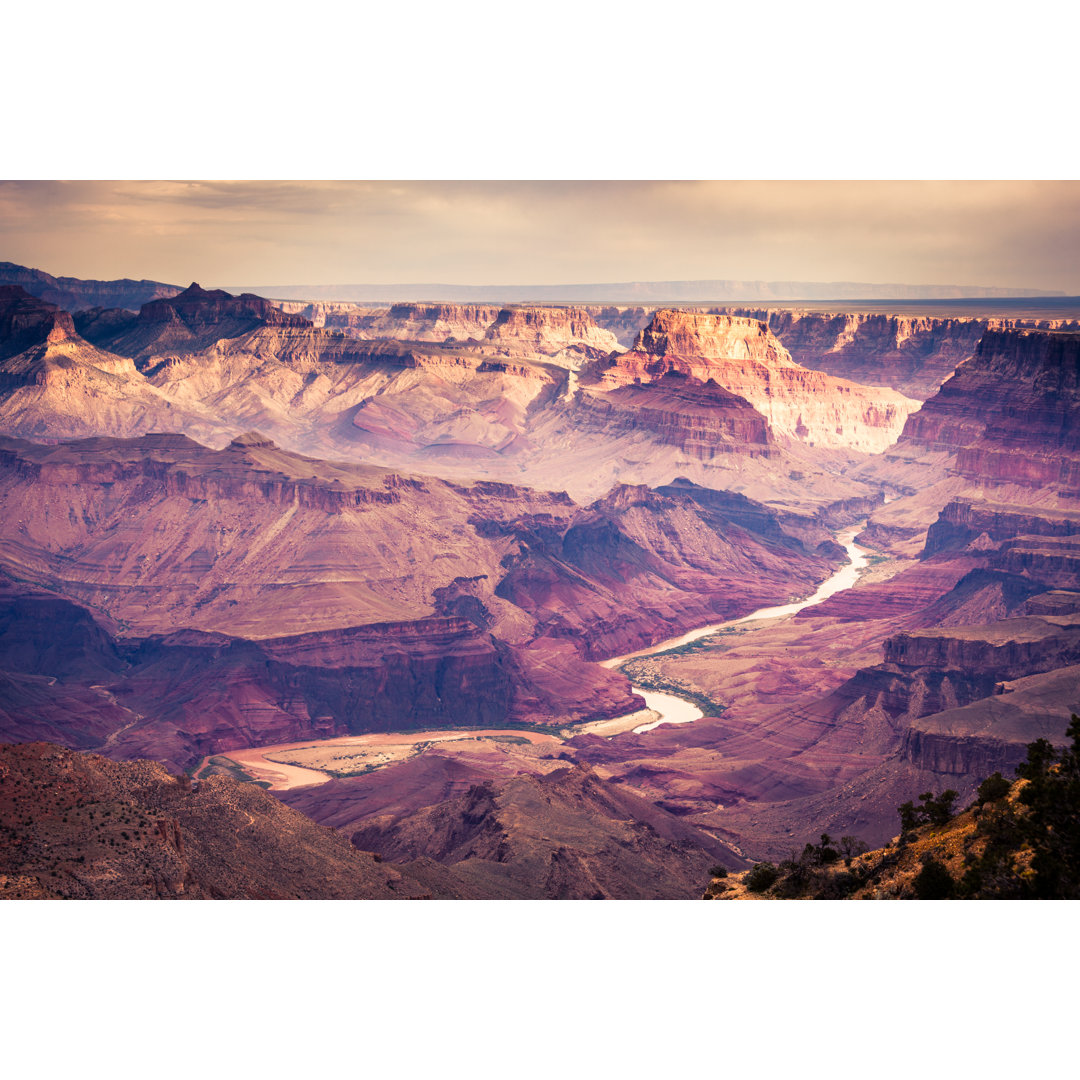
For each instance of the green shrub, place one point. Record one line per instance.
(761, 876)
(993, 789)
(934, 882)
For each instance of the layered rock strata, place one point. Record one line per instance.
(252, 596)
(191, 320)
(701, 419)
(1011, 414)
(745, 358)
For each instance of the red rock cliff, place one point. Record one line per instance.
(745, 358)
(1012, 413)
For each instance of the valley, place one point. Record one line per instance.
(528, 601)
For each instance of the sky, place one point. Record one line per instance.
(1006, 234)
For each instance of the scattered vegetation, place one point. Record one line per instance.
(1019, 840)
(761, 877)
(651, 680)
(937, 810)
(229, 767)
(1031, 835)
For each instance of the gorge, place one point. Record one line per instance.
(421, 569)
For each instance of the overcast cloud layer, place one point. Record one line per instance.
(987, 233)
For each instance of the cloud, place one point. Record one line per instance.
(1020, 234)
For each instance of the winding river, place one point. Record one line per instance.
(671, 708)
(676, 710)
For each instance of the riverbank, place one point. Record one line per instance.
(306, 764)
(673, 709)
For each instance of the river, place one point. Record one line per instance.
(671, 708)
(676, 710)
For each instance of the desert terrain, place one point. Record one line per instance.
(527, 600)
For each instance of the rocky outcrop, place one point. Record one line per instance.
(912, 354)
(1007, 649)
(80, 827)
(26, 321)
(75, 294)
(743, 357)
(930, 671)
(1011, 414)
(992, 735)
(962, 522)
(548, 331)
(701, 419)
(186, 322)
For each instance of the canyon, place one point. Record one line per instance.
(229, 524)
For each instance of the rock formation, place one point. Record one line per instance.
(78, 826)
(548, 331)
(53, 384)
(188, 321)
(26, 321)
(912, 354)
(250, 595)
(624, 322)
(563, 834)
(434, 322)
(1011, 414)
(743, 357)
(701, 419)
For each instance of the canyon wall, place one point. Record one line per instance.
(912, 354)
(745, 358)
(702, 419)
(250, 595)
(1010, 414)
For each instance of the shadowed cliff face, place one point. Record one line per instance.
(191, 320)
(26, 321)
(1011, 414)
(252, 596)
(75, 294)
(743, 357)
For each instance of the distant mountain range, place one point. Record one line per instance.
(75, 294)
(645, 292)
